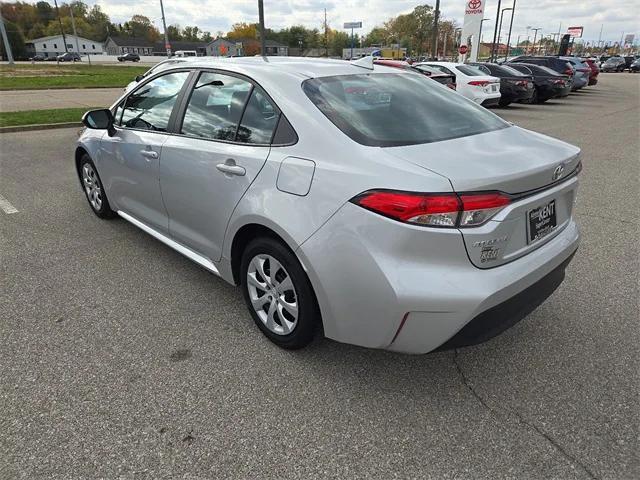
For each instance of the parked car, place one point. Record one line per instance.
(392, 212)
(554, 63)
(437, 75)
(635, 66)
(595, 70)
(432, 73)
(515, 86)
(548, 83)
(37, 58)
(129, 57)
(69, 57)
(614, 64)
(470, 82)
(158, 67)
(628, 60)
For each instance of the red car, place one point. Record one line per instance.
(432, 73)
(593, 79)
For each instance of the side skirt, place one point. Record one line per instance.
(190, 254)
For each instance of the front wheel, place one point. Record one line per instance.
(278, 293)
(93, 189)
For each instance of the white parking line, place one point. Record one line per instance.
(6, 206)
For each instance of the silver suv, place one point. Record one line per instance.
(369, 201)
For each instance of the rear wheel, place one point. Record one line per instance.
(535, 98)
(93, 189)
(504, 103)
(278, 293)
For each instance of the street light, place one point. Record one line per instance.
(534, 38)
(513, 12)
(480, 34)
(500, 27)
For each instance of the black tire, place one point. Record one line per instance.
(104, 211)
(535, 98)
(308, 312)
(504, 103)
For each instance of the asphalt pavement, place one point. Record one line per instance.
(120, 358)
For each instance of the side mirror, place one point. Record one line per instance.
(99, 120)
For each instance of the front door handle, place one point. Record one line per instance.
(149, 154)
(230, 168)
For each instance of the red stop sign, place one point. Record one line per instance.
(463, 49)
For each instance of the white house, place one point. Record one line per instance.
(54, 45)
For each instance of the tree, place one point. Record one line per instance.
(174, 32)
(141, 27)
(191, 34)
(243, 30)
(377, 36)
(16, 40)
(100, 23)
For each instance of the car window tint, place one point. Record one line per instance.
(259, 119)
(507, 70)
(215, 106)
(149, 107)
(484, 69)
(469, 70)
(389, 109)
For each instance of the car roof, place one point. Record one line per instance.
(298, 67)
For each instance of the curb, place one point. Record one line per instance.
(43, 126)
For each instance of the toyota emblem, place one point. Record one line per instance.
(557, 173)
(474, 4)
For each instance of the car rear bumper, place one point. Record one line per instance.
(490, 102)
(383, 284)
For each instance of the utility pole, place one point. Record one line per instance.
(600, 36)
(513, 12)
(495, 32)
(5, 39)
(434, 37)
(167, 45)
(500, 31)
(263, 41)
(73, 25)
(64, 39)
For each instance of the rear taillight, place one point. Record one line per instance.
(558, 82)
(519, 83)
(434, 210)
(479, 83)
(569, 71)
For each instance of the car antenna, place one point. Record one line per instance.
(364, 62)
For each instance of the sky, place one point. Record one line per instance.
(616, 16)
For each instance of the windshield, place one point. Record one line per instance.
(393, 109)
(470, 71)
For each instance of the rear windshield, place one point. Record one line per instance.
(393, 109)
(470, 71)
(511, 71)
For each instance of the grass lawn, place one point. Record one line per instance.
(33, 117)
(66, 75)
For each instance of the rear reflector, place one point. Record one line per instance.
(434, 210)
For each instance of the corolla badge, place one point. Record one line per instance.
(557, 173)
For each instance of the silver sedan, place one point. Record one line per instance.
(370, 204)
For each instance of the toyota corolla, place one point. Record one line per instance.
(361, 201)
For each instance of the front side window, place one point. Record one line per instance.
(150, 106)
(216, 106)
(393, 109)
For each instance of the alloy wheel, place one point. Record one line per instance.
(92, 186)
(272, 294)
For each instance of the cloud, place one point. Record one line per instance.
(616, 16)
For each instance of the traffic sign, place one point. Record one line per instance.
(348, 25)
(463, 49)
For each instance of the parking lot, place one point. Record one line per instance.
(122, 359)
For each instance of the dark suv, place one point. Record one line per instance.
(515, 86)
(614, 64)
(69, 57)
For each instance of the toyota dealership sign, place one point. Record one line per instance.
(473, 15)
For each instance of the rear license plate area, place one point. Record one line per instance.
(541, 221)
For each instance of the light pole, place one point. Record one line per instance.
(167, 45)
(5, 39)
(495, 31)
(513, 12)
(64, 39)
(534, 38)
(263, 41)
(500, 30)
(480, 33)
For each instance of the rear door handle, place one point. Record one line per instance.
(149, 154)
(230, 168)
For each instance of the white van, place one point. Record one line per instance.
(186, 53)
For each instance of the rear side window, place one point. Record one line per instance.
(259, 119)
(393, 109)
(150, 106)
(215, 107)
